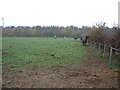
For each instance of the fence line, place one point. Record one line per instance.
(112, 54)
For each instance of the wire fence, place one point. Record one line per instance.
(112, 55)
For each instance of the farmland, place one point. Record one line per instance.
(29, 62)
(28, 53)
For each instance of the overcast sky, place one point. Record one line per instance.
(58, 12)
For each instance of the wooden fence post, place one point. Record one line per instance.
(94, 44)
(110, 55)
(99, 46)
(89, 43)
(104, 51)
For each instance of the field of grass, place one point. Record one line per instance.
(23, 53)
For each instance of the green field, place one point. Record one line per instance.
(23, 53)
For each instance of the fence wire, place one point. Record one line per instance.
(109, 53)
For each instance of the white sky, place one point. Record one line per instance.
(58, 12)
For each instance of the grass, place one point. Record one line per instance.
(112, 65)
(23, 53)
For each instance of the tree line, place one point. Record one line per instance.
(99, 33)
(43, 31)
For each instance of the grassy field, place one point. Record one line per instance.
(23, 53)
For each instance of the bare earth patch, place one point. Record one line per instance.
(94, 74)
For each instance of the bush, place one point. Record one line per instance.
(104, 35)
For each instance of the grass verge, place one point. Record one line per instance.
(113, 65)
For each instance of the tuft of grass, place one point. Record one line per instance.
(23, 53)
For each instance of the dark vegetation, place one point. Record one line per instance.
(104, 35)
